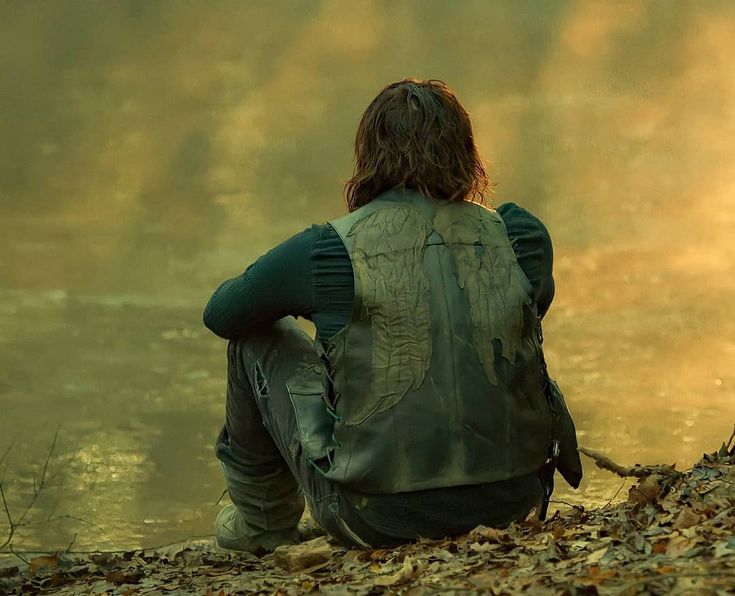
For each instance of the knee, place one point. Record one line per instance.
(283, 335)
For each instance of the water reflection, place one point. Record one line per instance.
(151, 149)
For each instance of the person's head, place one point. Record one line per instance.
(416, 135)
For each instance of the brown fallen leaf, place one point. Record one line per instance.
(596, 555)
(647, 491)
(558, 532)
(686, 519)
(483, 533)
(44, 562)
(678, 545)
(595, 575)
(125, 576)
(411, 570)
(376, 555)
(665, 569)
(659, 547)
(483, 547)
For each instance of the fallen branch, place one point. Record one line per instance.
(605, 463)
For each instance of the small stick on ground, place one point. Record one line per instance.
(605, 463)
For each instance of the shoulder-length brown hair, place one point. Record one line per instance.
(417, 135)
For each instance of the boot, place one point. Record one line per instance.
(234, 533)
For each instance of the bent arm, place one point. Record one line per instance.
(534, 251)
(276, 285)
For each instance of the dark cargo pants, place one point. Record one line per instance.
(268, 475)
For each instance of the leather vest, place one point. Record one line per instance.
(438, 380)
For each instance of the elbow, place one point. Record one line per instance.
(546, 297)
(214, 322)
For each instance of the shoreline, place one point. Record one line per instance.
(676, 531)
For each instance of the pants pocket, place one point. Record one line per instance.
(307, 390)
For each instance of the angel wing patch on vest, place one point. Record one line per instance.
(392, 289)
(480, 247)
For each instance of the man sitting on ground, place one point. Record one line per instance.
(424, 407)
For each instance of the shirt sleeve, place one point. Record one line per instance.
(276, 285)
(532, 244)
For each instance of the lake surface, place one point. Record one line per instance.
(150, 150)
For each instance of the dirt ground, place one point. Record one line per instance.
(674, 534)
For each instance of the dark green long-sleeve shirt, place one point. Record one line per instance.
(310, 275)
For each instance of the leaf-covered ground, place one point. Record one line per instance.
(675, 533)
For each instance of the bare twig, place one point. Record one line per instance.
(17, 554)
(52, 512)
(41, 482)
(6, 453)
(65, 516)
(617, 492)
(567, 503)
(73, 540)
(11, 525)
(14, 524)
(729, 445)
(637, 471)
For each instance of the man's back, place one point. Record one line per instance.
(441, 361)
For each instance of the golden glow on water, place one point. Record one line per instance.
(150, 150)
